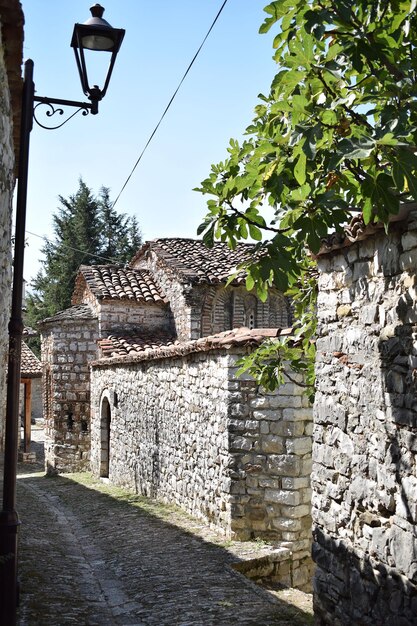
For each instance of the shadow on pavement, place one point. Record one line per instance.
(95, 554)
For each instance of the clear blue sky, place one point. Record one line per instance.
(215, 103)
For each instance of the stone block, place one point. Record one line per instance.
(265, 428)
(240, 443)
(295, 483)
(291, 498)
(368, 314)
(266, 414)
(287, 428)
(283, 465)
(409, 240)
(361, 269)
(299, 445)
(408, 260)
(296, 512)
(238, 410)
(403, 547)
(297, 414)
(284, 523)
(272, 444)
(255, 513)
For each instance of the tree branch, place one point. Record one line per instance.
(253, 223)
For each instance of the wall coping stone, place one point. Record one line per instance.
(238, 337)
(357, 230)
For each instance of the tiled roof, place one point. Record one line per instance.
(192, 261)
(224, 340)
(134, 342)
(30, 365)
(115, 282)
(74, 313)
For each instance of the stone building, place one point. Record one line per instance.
(140, 386)
(365, 428)
(173, 292)
(11, 45)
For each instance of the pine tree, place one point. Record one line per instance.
(88, 231)
(120, 234)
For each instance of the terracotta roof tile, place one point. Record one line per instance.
(31, 367)
(357, 230)
(121, 283)
(192, 261)
(170, 349)
(134, 342)
(75, 313)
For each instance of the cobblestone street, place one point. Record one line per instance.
(91, 554)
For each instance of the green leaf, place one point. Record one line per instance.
(255, 232)
(406, 167)
(202, 227)
(300, 169)
(276, 11)
(301, 193)
(208, 237)
(387, 140)
(250, 282)
(379, 191)
(338, 129)
(367, 211)
(356, 148)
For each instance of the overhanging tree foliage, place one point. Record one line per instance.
(87, 231)
(336, 134)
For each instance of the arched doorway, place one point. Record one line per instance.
(105, 438)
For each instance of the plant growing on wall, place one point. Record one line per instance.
(336, 134)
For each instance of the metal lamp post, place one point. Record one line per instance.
(95, 34)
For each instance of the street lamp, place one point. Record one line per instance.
(95, 34)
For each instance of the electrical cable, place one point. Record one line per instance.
(147, 143)
(169, 103)
(97, 256)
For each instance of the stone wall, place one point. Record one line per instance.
(121, 315)
(68, 346)
(178, 296)
(6, 193)
(365, 434)
(187, 431)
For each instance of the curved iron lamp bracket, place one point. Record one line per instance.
(83, 107)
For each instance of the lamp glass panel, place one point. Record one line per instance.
(97, 67)
(97, 42)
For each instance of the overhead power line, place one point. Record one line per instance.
(85, 252)
(170, 102)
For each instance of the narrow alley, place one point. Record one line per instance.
(92, 554)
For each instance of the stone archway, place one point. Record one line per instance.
(105, 428)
